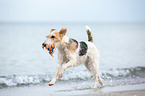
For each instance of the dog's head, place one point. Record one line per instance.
(53, 38)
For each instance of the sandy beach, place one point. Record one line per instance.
(121, 93)
(128, 90)
(126, 93)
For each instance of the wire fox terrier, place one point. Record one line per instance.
(73, 53)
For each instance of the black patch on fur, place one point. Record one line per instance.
(83, 48)
(74, 40)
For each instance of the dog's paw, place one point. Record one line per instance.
(102, 84)
(51, 83)
(60, 75)
(94, 87)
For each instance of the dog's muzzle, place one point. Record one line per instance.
(43, 45)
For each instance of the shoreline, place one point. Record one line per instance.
(58, 90)
(125, 90)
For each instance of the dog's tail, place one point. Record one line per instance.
(90, 36)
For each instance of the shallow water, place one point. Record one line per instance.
(23, 62)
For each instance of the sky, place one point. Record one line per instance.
(105, 11)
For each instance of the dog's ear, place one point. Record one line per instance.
(62, 32)
(52, 30)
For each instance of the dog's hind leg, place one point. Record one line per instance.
(95, 76)
(92, 66)
(100, 80)
(97, 79)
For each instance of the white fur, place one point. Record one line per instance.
(88, 28)
(90, 60)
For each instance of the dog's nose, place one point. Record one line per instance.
(44, 44)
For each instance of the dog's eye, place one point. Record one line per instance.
(52, 36)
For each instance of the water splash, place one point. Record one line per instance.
(121, 76)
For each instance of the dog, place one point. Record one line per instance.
(73, 53)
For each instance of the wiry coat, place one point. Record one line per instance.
(74, 53)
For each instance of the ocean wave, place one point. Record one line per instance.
(124, 73)
(111, 74)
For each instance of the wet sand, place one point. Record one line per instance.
(45, 90)
(126, 90)
(122, 93)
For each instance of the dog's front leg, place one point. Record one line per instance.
(71, 63)
(55, 75)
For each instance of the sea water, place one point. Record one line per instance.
(23, 62)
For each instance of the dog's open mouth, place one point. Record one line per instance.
(50, 48)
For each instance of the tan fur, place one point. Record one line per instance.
(72, 46)
(52, 30)
(62, 32)
(90, 36)
(58, 35)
